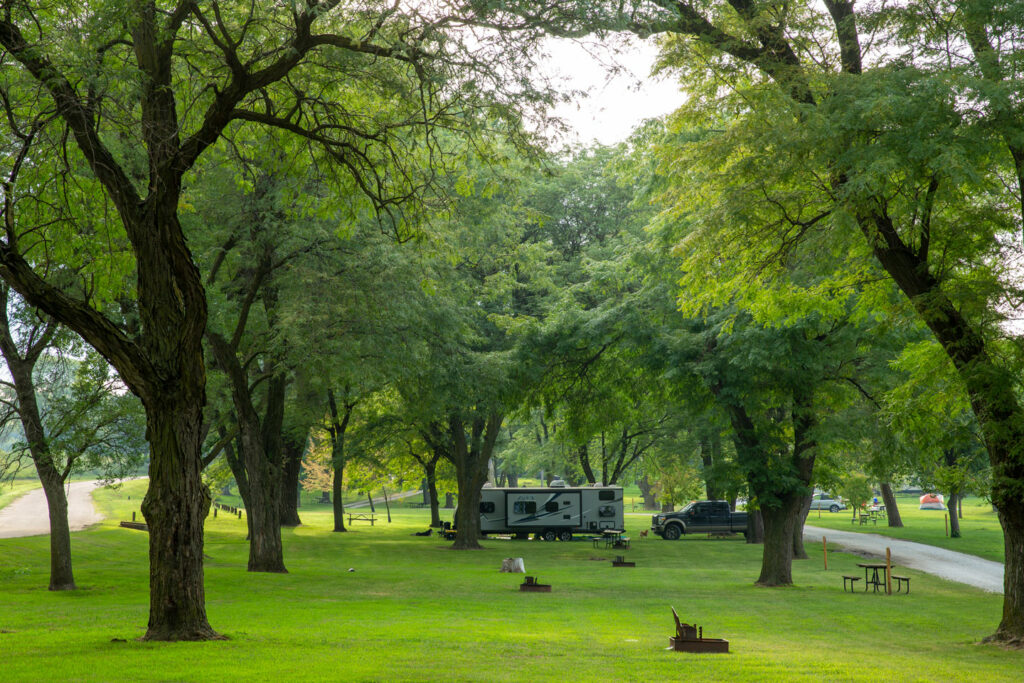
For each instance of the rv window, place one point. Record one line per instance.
(606, 511)
(551, 506)
(486, 507)
(606, 495)
(524, 507)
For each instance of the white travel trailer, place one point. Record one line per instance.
(552, 512)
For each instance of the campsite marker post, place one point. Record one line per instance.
(888, 572)
(824, 549)
(945, 518)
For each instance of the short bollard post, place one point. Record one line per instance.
(133, 515)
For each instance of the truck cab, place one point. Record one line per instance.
(702, 516)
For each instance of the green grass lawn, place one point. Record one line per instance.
(981, 533)
(414, 610)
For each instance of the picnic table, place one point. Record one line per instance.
(871, 576)
(361, 517)
(613, 538)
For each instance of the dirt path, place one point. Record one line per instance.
(947, 564)
(27, 516)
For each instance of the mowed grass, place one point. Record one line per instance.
(981, 533)
(413, 610)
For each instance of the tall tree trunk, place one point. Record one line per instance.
(799, 552)
(954, 521)
(61, 576)
(339, 425)
(338, 505)
(583, 455)
(992, 394)
(430, 469)
(21, 369)
(892, 510)
(777, 557)
(755, 526)
(291, 466)
(470, 457)
(781, 490)
(647, 492)
(175, 507)
(1011, 514)
(259, 446)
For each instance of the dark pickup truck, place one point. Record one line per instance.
(700, 517)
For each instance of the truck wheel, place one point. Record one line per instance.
(565, 536)
(671, 532)
(833, 508)
(550, 535)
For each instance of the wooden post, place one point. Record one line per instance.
(945, 518)
(133, 515)
(215, 513)
(370, 499)
(824, 549)
(386, 504)
(888, 572)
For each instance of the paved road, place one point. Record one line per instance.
(947, 564)
(27, 516)
(380, 500)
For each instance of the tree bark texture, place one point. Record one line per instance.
(291, 466)
(259, 446)
(62, 577)
(175, 507)
(799, 552)
(777, 558)
(337, 429)
(21, 367)
(583, 455)
(781, 488)
(755, 526)
(892, 510)
(430, 490)
(647, 493)
(1011, 627)
(470, 457)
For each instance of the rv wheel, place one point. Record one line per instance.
(565, 536)
(550, 535)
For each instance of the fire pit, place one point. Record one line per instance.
(530, 585)
(690, 638)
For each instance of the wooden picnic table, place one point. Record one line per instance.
(613, 538)
(361, 517)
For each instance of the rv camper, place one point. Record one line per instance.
(555, 512)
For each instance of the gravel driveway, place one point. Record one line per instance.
(27, 516)
(947, 564)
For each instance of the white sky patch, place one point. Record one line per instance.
(621, 91)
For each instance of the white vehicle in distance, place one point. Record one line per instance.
(825, 501)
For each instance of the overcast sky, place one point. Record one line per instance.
(617, 103)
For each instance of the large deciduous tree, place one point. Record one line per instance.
(72, 414)
(142, 90)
